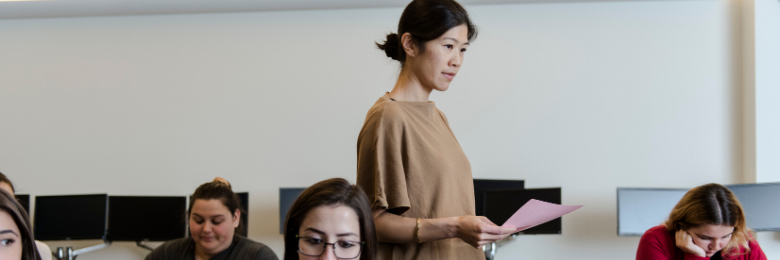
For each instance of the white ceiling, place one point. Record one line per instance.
(70, 8)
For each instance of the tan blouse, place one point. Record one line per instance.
(410, 164)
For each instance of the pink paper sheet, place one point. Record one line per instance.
(536, 212)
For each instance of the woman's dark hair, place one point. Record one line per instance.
(9, 204)
(221, 191)
(426, 20)
(336, 191)
(6, 180)
(712, 204)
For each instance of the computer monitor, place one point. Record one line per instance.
(137, 218)
(761, 203)
(243, 198)
(640, 209)
(24, 199)
(287, 197)
(70, 217)
(501, 205)
(482, 185)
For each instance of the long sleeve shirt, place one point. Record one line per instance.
(659, 244)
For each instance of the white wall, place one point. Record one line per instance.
(767, 55)
(766, 19)
(584, 96)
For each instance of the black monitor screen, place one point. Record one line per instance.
(244, 201)
(761, 205)
(500, 205)
(482, 185)
(286, 198)
(146, 218)
(70, 217)
(25, 201)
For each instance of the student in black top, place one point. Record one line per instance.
(214, 215)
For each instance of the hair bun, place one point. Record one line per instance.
(391, 47)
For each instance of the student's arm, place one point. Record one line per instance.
(755, 251)
(474, 230)
(653, 247)
(656, 244)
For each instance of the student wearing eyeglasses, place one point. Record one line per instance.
(330, 220)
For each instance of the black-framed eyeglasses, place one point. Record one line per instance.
(312, 246)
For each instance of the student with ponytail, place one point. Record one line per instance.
(411, 166)
(214, 215)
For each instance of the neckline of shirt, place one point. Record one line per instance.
(386, 95)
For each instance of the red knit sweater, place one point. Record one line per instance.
(658, 244)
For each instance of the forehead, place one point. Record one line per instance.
(459, 33)
(711, 230)
(7, 187)
(7, 222)
(332, 220)
(207, 208)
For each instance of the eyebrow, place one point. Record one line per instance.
(8, 231)
(456, 41)
(708, 237)
(323, 233)
(215, 216)
(314, 230)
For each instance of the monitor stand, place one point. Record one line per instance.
(70, 254)
(491, 248)
(143, 245)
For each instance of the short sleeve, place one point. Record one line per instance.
(381, 159)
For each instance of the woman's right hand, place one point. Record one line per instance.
(478, 231)
(685, 242)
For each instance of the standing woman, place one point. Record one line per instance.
(417, 177)
(707, 223)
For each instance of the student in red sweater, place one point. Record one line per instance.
(707, 223)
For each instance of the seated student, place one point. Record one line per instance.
(15, 234)
(330, 220)
(43, 250)
(707, 223)
(214, 215)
